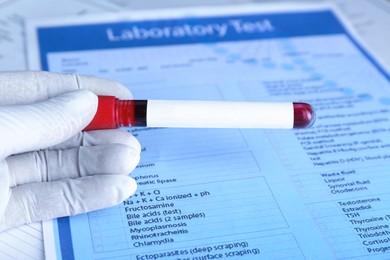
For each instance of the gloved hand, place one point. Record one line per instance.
(48, 167)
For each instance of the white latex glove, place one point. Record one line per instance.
(48, 167)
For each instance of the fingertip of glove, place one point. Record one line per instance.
(84, 97)
(105, 191)
(132, 186)
(80, 103)
(128, 139)
(110, 159)
(127, 158)
(126, 188)
(103, 86)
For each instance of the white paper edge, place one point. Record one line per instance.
(49, 242)
(359, 39)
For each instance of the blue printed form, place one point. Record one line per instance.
(316, 193)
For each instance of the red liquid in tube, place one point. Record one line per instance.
(113, 113)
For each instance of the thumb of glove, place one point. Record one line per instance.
(40, 125)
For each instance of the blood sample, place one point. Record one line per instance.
(113, 113)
